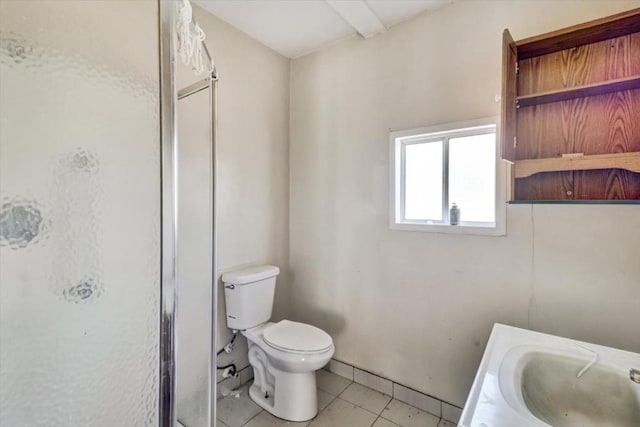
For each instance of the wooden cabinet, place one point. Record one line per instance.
(571, 111)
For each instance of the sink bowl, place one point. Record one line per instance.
(529, 379)
(601, 397)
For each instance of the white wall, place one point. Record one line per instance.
(418, 307)
(252, 161)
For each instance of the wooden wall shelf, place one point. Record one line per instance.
(627, 161)
(594, 89)
(574, 90)
(581, 34)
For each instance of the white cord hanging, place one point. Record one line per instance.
(191, 39)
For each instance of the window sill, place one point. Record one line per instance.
(495, 231)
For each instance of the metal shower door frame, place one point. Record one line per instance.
(168, 237)
(169, 144)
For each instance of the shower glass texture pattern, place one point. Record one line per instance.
(194, 260)
(80, 199)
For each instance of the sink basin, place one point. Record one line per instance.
(530, 379)
(601, 397)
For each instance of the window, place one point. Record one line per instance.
(433, 168)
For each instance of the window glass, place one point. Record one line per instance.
(423, 181)
(437, 166)
(472, 176)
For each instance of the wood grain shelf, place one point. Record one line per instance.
(627, 161)
(594, 89)
(575, 90)
(581, 34)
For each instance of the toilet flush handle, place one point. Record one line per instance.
(232, 287)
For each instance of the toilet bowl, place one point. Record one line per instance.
(284, 355)
(284, 367)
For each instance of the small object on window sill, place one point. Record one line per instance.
(572, 155)
(454, 214)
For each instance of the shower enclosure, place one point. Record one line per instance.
(89, 212)
(196, 265)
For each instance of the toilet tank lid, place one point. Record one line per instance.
(250, 275)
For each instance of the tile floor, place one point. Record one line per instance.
(341, 403)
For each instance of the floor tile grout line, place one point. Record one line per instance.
(440, 419)
(392, 422)
(328, 404)
(249, 420)
(358, 406)
(361, 407)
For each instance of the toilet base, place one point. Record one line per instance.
(284, 381)
(294, 396)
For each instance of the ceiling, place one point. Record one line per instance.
(297, 27)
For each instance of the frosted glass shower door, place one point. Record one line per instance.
(195, 260)
(79, 213)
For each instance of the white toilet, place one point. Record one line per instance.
(285, 355)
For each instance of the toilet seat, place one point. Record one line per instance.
(295, 337)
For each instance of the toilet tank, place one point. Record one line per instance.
(248, 295)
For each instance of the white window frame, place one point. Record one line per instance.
(398, 140)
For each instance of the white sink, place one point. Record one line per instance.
(532, 379)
